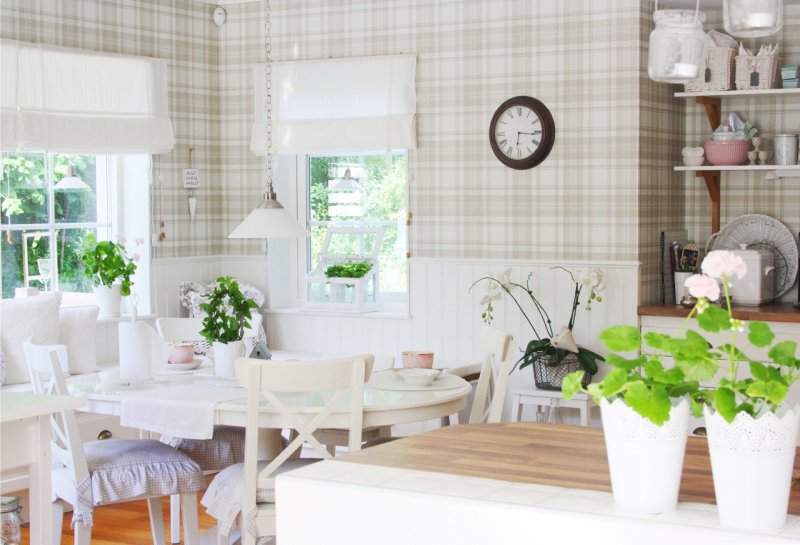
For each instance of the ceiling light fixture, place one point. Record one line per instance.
(270, 219)
(71, 181)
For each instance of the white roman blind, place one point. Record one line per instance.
(338, 105)
(76, 101)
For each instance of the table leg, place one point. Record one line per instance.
(516, 408)
(585, 415)
(41, 509)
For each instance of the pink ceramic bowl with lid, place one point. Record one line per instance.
(726, 153)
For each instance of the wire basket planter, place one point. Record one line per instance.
(548, 376)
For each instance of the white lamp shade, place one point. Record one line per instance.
(71, 182)
(269, 223)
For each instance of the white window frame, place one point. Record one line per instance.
(291, 184)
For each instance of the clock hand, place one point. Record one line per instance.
(534, 132)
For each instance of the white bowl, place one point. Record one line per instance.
(418, 376)
(693, 161)
(689, 151)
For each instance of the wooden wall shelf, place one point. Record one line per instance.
(773, 312)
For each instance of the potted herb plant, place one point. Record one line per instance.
(645, 411)
(752, 432)
(345, 270)
(227, 316)
(551, 355)
(109, 267)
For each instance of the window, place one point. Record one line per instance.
(43, 225)
(365, 191)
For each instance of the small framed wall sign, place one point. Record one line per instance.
(191, 178)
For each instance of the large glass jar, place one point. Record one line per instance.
(752, 18)
(676, 45)
(9, 511)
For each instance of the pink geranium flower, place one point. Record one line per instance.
(701, 285)
(721, 263)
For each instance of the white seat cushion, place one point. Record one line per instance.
(21, 318)
(223, 499)
(122, 469)
(225, 448)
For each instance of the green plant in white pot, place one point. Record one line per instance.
(110, 269)
(645, 410)
(227, 316)
(752, 431)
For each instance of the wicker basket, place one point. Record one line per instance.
(548, 376)
(716, 72)
(756, 72)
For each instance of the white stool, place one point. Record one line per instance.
(547, 402)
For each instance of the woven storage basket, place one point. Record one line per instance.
(716, 72)
(756, 72)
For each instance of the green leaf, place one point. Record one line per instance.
(714, 319)
(588, 361)
(657, 341)
(650, 402)
(725, 403)
(621, 338)
(783, 353)
(698, 369)
(615, 360)
(656, 371)
(572, 384)
(683, 388)
(760, 334)
(613, 382)
(764, 372)
(772, 391)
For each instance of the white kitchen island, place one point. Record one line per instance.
(481, 487)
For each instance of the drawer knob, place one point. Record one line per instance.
(700, 431)
(105, 434)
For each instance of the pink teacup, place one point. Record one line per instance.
(413, 358)
(181, 353)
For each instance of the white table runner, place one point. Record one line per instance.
(179, 411)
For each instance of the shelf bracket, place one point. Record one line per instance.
(712, 178)
(713, 107)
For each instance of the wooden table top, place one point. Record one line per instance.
(529, 452)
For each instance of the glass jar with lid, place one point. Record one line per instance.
(676, 45)
(9, 511)
(752, 18)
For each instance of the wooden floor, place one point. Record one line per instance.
(122, 524)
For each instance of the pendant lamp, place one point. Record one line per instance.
(71, 181)
(752, 18)
(269, 219)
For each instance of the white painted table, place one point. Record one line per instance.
(547, 402)
(25, 417)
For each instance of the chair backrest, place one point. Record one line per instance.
(490, 393)
(45, 368)
(188, 329)
(305, 394)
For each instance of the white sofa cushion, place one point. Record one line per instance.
(77, 327)
(21, 318)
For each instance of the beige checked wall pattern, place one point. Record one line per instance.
(604, 193)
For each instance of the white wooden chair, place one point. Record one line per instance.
(489, 394)
(226, 446)
(113, 470)
(246, 492)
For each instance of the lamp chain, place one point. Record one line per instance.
(268, 107)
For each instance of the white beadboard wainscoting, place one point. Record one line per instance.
(445, 316)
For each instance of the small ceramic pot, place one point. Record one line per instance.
(181, 353)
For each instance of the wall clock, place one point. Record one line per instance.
(522, 132)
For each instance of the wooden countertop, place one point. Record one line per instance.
(529, 452)
(774, 312)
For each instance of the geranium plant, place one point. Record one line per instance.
(227, 312)
(106, 262)
(646, 385)
(547, 344)
(348, 270)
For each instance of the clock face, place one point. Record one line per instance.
(522, 132)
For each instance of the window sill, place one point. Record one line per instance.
(127, 318)
(304, 311)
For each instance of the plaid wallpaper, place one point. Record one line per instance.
(604, 193)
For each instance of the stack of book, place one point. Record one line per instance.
(790, 74)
